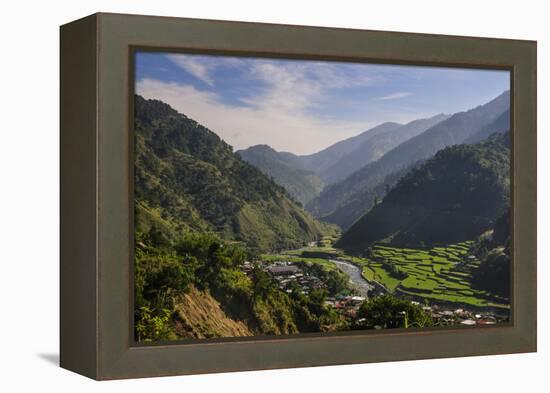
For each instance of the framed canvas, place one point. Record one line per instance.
(242, 196)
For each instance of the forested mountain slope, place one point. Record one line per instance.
(455, 196)
(188, 179)
(302, 184)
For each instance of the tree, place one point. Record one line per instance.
(153, 326)
(389, 312)
(262, 283)
(317, 301)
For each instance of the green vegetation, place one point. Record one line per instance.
(302, 184)
(439, 274)
(453, 197)
(166, 271)
(200, 212)
(188, 179)
(390, 312)
(493, 252)
(208, 224)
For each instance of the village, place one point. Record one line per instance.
(289, 277)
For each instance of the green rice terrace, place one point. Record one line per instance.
(437, 275)
(440, 274)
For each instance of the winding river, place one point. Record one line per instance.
(354, 274)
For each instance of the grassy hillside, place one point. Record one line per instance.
(453, 197)
(188, 179)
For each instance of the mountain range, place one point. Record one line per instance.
(188, 179)
(345, 201)
(454, 196)
(203, 210)
(304, 177)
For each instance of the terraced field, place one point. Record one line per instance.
(437, 274)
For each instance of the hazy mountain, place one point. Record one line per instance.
(360, 203)
(501, 124)
(376, 146)
(188, 179)
(454, 196)
(304, 176)
(302, 184)
(321, 161)
(352, 195)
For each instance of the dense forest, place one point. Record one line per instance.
(187, 178)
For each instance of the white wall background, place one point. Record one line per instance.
(29, 193)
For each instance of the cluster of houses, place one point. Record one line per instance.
(288, 275)
(459, 316)
(346, 305)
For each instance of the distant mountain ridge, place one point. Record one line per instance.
(501, 124)
(344, 202)
(305, 176)
(376, 146)
(321, 161)
(453, 197)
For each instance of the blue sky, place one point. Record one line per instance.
(303, 106)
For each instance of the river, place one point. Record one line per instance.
(354, 274)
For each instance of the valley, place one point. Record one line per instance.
(439, 279)
(400, 226)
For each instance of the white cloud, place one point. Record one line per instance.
(395, 96)
(202, 67)
(286, 109)
(274, 118)
(193, 66)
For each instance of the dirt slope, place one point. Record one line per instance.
(199, 315)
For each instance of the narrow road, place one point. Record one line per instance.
(354, 274)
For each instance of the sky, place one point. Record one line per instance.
(304, 106)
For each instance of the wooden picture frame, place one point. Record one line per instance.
(97, 198)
